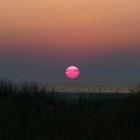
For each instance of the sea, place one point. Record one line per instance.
(95, 87)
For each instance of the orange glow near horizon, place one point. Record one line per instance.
(88, 25)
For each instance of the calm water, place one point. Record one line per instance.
(93, 87)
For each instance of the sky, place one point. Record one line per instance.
(39, 39)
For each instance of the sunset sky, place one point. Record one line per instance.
(40, 38)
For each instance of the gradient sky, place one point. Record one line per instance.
(40, 38)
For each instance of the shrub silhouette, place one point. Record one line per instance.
(32, 111)
(136, 90)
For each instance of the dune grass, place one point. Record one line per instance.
(29, 111)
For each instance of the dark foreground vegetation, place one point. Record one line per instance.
(32, 112)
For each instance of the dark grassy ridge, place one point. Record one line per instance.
(32, 112)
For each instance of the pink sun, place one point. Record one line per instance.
(72, 72)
